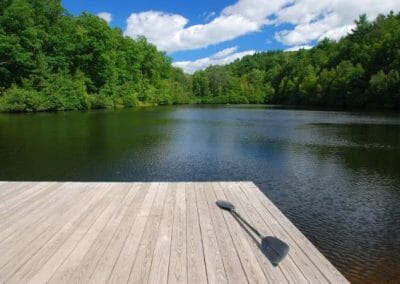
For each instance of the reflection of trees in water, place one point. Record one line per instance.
(76, 145)
(375, 148)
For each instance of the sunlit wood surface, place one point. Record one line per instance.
(69, 232)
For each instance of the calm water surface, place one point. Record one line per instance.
(336, 175)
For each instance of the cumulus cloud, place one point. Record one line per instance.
(169, 32)
(330, 26)
(311, 19)
(222, 57)
(319, 19)
(256, 10)
(105, 16)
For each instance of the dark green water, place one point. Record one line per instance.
(336, 175)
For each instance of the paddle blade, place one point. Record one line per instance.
(226, 205)
(274, 249)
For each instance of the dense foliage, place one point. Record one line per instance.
(359, 71)
(51, 60)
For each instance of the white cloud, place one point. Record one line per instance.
(169, 32)
(319, 19)
(256, 10)
(222, 57)
(105, 16)
(306, 32)
(312, 19)
(225, 52)
(298, 47)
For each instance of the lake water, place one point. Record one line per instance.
(336, 175)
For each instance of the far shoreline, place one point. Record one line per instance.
(208, 105)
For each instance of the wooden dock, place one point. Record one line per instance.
(147, 233)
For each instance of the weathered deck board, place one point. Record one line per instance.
(147, 233)
(177, 272)
(195, 253)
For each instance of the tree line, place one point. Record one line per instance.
(51, 60)
(359, 71)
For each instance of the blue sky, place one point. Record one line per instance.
(196, 34)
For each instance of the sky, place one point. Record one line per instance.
(197, 34)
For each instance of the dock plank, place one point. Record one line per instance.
(233, 268)
(161, 256)
(156, 232)
(144, 256)
(18, 212)
(212, 254)
(77, 244)
(32, 229)
(29, 193)
(34, 256)
(195, 253)
(11, 190)
(106, 263)
(273, 274)
(249, 261)
(80, 272)
(177, 272)
(36, 215)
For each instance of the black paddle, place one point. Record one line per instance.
(272, 247)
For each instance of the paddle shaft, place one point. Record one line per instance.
(237, 216)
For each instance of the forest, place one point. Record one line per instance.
(359, 71)
(51, 60)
